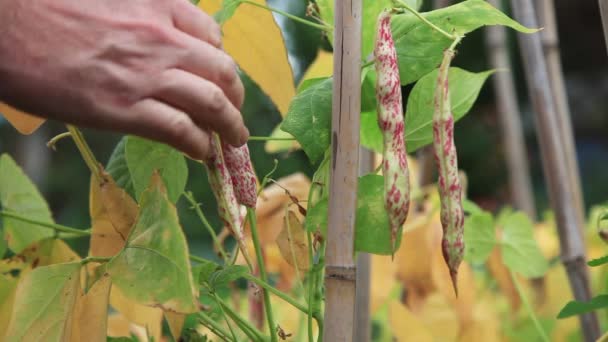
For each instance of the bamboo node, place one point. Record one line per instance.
(342, 273)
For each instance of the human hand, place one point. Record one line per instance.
(153, 68)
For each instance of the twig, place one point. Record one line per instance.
(196, 206)
(528, 307)
(322, 27)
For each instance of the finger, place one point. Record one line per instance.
(204, 102)
(155, 120)
(214, 65)
(192, 20)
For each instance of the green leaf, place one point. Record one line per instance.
(3, 244)
(309, 118)
(420, 48)
(575, 308)
(18, 194)
(203, 271)
(144, 156)
(479, 237)
(520, 252)
(598, 262)
(464, 89)
(153, 268)
(372, 232)
(226, 275)
(471, 208)
(226, 11)
(117, 167)
(316, 217)
(44, 302)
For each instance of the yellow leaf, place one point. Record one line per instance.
(8, 286)
(175, 322)
(144, 316)
(485, 326)
(407, 326)
(382, 280)
(293, 242)
(113, 213)
(90, 313)
(437, 312)
(323, 66)
(25, 123)
(500, 272)
(254, 40)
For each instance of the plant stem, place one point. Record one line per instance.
(262, 268)
(197, 258)
(54, 226)
(424, 20)
(213, 326)
(51, 143)
(256, 138)
(311, 283)
(325, 28)
(195, 205)
(85, 151)
(276, 292)
(528, 307)
(251, 332)
(225, 317)
(99, 260)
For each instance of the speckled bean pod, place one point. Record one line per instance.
(391, 122)
(241, 171)
(223, 190)
(450, 189)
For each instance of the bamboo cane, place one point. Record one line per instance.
(362, 319)
(546, 11)
(340, 270)
(604, 13)
(555, 164)
(520, 185)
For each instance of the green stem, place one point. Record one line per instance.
(424, 20)
(51, 143)
(290, 16)
(249, 330)
(57, 227)
(256, 138)
(311, 282)
(195, 205)
(276, 292)
(215, 296)
(85, 151)
(90, 259)
(258, 252)
(528, 308)
(213, 326)
(197, 258)
(368, 63)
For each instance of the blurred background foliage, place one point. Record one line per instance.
(63, 177)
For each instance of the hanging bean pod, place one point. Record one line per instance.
(391, 122)
(241, 171)
(223, 190)
(450, 189)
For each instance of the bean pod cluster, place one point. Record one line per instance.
(450, 188)
(391, 123)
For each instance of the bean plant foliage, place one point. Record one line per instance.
(139, 280)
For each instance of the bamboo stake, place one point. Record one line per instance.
(363, 331)
(550, 41)
(520, 185)
(340, 270)
(555, 164)
(604, 13)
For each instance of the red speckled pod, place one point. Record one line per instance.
(223, 190)
(241, 171)
(390, 120)
(450, 189)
